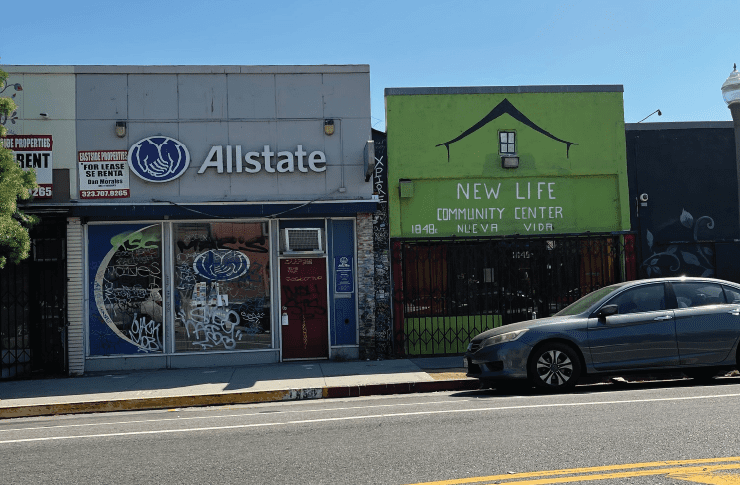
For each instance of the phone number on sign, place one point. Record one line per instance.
(93, 194)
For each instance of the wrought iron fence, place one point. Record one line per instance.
(446, 291)
(33, 307)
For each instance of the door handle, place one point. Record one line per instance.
(734, 312)
(665, 317)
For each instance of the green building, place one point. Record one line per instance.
(504, 202)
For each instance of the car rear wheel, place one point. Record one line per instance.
(554, 367)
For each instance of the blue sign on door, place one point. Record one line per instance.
(344, 276)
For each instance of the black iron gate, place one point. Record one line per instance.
(446, 291)
(33, 307)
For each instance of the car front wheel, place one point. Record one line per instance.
(554, 367)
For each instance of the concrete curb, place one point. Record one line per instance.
(168, 402)
(402, 388)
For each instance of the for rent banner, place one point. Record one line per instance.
(34, 152)
(104, 174)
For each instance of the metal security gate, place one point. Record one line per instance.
(446, 291)
(33, 307)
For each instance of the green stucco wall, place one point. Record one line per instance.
(556, 189)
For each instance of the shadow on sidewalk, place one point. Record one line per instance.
(278, 376)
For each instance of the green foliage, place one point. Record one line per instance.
(15, 184)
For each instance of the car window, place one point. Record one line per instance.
(690, 295)
(647, 298)
(580, 306)
(732, 295)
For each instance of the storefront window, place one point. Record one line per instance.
(222, 286)
(126, 314)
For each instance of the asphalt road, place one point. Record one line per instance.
(651, 433)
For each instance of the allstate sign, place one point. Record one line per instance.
(221, 264)
(158, 159)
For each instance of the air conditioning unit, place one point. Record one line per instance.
(303, 239)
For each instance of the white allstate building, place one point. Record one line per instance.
(215, 215)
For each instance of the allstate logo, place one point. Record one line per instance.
(158, 159)
(221, 264)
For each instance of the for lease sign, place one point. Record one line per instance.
(104, 174)
(34, 152)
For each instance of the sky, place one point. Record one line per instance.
(668, 55)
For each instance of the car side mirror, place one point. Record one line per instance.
(607, 310)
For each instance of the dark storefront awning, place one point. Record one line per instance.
(160, 210)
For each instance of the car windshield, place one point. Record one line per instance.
(580, 306)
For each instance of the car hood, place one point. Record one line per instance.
(540, 322)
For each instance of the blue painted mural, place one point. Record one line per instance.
(125, 289)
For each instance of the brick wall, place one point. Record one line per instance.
(366, 290)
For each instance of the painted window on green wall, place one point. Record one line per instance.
(507, 142)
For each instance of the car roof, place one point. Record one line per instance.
(683, 279)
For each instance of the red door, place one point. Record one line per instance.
(303, 300)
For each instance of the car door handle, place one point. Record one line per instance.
(665, 317)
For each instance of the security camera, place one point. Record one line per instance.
(643, 197)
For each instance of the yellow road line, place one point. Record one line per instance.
(669, 472)
(710, 478)
(668, 468)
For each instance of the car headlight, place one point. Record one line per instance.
(504, 337)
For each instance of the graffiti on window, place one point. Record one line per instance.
(222, 287)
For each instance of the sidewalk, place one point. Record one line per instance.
(163, 389)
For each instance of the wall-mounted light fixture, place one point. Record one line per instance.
(509, 161)
(120, 129)
(651, 114)
(328, 127)
(16, 86)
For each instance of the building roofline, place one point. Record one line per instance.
(591, 88)
(182, 69)
(677, 125)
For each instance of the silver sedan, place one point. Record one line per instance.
(690, 325)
